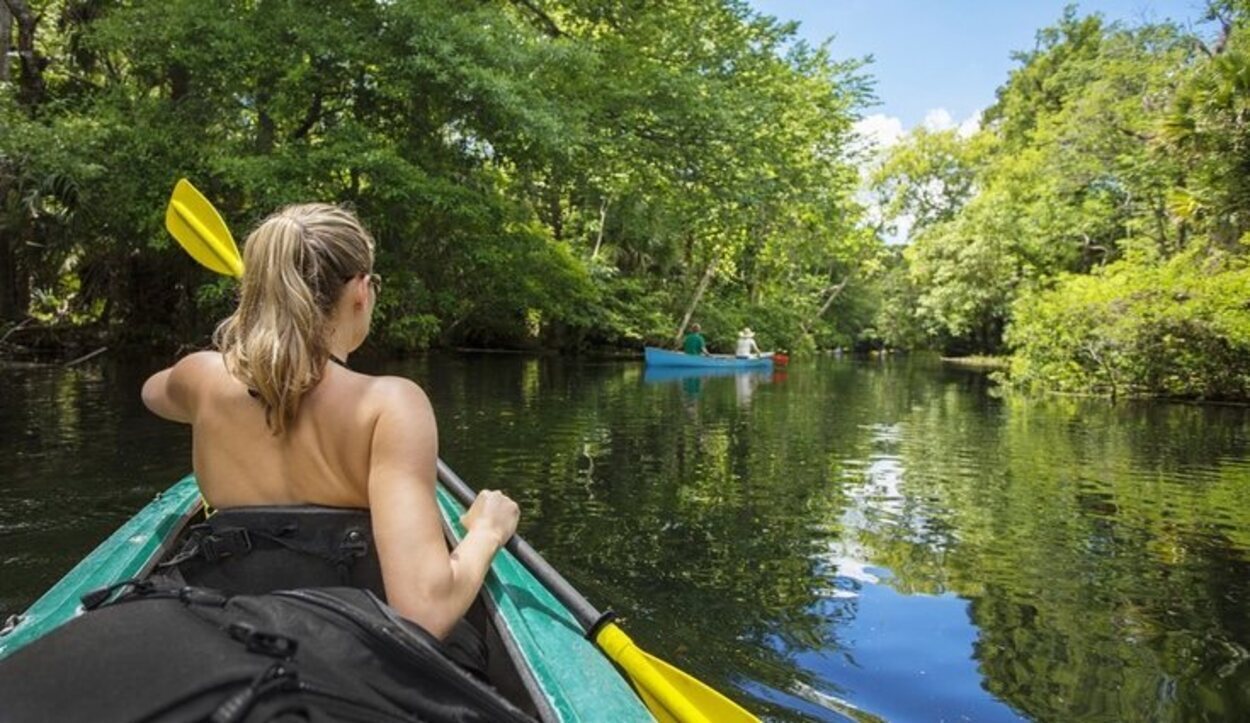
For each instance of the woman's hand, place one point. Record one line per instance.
(492, 513)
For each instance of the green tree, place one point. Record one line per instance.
(1067, 175)
(547, 172)
(1168, 317)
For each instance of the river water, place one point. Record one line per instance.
(847, 540)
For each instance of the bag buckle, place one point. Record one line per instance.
(225, 543)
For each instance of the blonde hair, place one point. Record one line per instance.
(296, 264)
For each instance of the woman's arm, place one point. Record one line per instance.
(424, 582)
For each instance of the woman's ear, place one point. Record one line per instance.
(360, 291)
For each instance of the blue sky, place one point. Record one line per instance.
(943, 59)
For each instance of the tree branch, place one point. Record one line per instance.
(310, 118)
(834, 292)
(1144, 137)
(543, 18)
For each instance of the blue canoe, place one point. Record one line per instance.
(657, 357)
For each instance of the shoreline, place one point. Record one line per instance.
(987, 363)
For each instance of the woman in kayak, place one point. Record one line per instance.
(277, 418)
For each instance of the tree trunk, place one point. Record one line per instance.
(6, 38)
(603, 221)
(694, 302)
(31, 89)
(20, 278)
(266, 127)
(179, 82)
(556, 209)
(9, 310)
(834, 292)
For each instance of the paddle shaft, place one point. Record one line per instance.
(587, 616)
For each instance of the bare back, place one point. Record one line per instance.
(323, 458)
(356, 441)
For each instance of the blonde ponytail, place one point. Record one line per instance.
(296, 264)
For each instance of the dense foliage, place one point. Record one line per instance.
(1095, 227)
(537, 172)
(1179, 328)
(573, 173)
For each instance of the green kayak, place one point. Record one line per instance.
(564, 677)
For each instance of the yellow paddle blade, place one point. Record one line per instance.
(672, 695)
(199, 229)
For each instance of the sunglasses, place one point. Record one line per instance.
(375, 281)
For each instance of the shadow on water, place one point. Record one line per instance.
(843, 540)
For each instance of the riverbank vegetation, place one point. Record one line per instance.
(1095, 227)
(573, 174)
(558, 173)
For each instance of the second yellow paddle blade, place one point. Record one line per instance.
(197, 226)
(671, 694)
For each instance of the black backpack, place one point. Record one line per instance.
(162, 653)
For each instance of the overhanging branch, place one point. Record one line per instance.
(543, 18)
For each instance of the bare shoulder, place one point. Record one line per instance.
(398, 398)
(405, 434)
(194, 370)
(201, 362)
(174, 393)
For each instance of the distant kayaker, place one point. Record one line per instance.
(747, 347)
(277, 419)
(695, 344)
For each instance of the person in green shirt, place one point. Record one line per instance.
(695, 344)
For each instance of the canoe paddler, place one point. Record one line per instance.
(279, 420)
(694, 343)
(747, 348)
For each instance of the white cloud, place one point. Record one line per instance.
(970, 126)
(940, 119)
(880, 130)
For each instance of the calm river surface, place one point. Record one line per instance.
(847, 540)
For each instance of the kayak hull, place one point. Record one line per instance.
(565, 675)
(656, 357)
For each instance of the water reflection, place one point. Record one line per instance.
(692, 379)
(848, 541)
(892, 540)
(81, 456)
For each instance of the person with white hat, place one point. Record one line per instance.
(747, 348)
